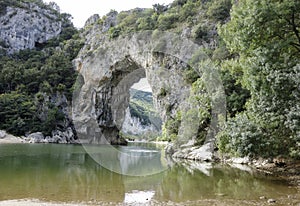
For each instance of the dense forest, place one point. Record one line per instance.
(30, 78)
(254, 44)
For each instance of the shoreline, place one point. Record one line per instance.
(35, 202)
(289, 170)
(6, 138)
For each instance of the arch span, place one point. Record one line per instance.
(113, 66)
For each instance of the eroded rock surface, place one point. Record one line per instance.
(113, 66)
(27, 25)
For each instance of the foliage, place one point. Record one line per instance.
(167, 21)
(17, 112)
(236, 95)
(26, 76)
(23, 4)
(170, 128)
(141, 106)
(219, 10)
(190, 75)
(201, 100)
(266, 36)
(163, 92)
(173, 17)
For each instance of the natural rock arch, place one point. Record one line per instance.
(108, 68)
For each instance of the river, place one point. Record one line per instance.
(48, 174)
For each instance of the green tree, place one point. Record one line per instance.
(17, 113)
(30, 79)
(265, 35)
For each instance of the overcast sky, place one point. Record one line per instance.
(81, 10)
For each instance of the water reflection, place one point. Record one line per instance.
(133, 160)
(66, 173)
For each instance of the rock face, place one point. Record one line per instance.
(58, 137)
(65, 132)
(110, 65)
(133, 125)
(108, 68)
(27, 25)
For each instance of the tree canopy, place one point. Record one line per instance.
(264, 35)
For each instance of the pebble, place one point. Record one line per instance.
(271, 200)
(262, 198)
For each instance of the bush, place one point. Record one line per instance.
(17, 114)
(30, 77)
(201, 32)
(219, 10)
(242, 138)
(167, 21)
(170, 128)
(190, 75)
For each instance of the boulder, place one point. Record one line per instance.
(169, 149)
(2, 134)
(36, 137)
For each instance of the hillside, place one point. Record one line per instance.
(141, 119)
(141, 106)
(38, 44)
(248, 55)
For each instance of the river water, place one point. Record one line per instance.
(71, 174)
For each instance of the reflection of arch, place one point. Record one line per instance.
(108, 72)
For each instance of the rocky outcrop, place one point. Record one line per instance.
(191, 152)
(58, 137)
(109, 72)
(27, 25)
(109, 67)
(6, 138)
(65, 132)
(133, 125)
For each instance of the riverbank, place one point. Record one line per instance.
(58, 137)
(6, 138)
(34, 202)
(288, 170)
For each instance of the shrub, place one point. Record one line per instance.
(190, 75)
(170, 128)
(219, 10)
(167, 21)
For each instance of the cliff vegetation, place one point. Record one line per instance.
(253, 44)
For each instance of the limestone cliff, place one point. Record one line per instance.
(109, 68)
(26, 25)
(134, 126)
(141, 119)
(112, 61)
(38, 43)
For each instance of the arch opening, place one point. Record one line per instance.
(142, 121)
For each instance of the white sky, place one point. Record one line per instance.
(142, 85)
(81, 10)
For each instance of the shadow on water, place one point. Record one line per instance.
(66, 173)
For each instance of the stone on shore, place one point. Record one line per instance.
(6, 138)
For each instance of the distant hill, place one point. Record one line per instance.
(141, 106)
